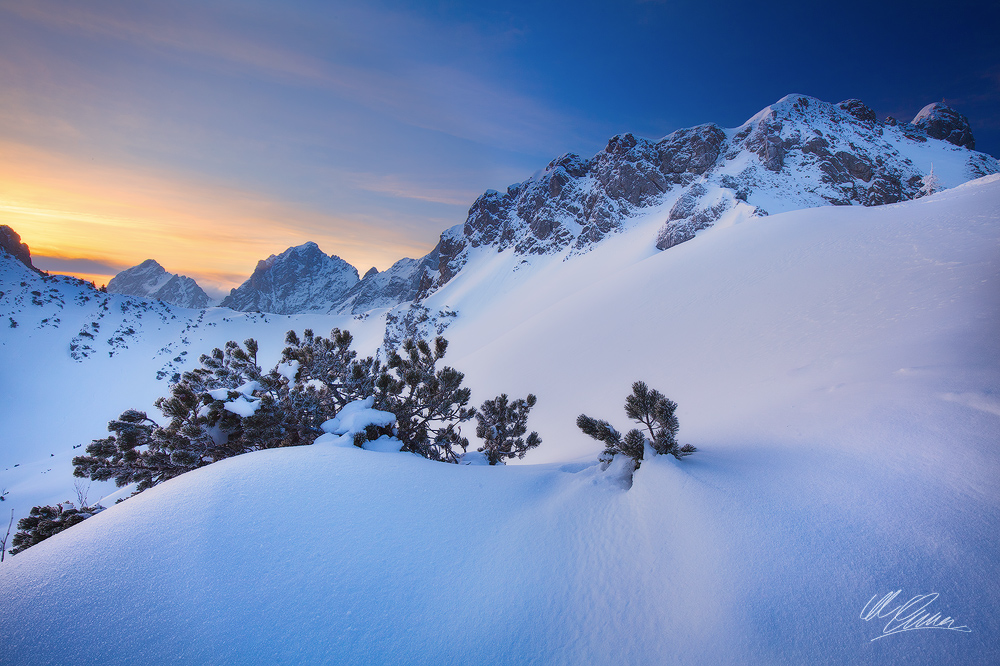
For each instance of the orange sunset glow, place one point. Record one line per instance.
(118, 216)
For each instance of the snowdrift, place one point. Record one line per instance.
(838, 369)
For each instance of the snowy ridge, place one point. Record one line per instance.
(400, 283)
(800, 152)
(835, 366)
(150, 280)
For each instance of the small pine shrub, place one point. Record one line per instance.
(502, 424)
(45, 521)
(652, 410)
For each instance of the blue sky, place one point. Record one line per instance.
(208, 135)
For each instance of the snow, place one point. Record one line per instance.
(355, 417)
(243, 406)
(838, 369)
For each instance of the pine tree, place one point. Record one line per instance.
(430, 404)
(45, 521)
(501, 426)
(649, 408)
(930, 183)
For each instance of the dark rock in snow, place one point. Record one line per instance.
(859, 110)
(940, 121)
(10, 241)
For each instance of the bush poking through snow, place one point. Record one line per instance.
(44, 521)
(651, 409)
(501, 425)
(230, 406)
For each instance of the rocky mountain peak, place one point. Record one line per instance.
(150, 280)
(940, 121)
(798, 152)
(10, 241)
(300, 279)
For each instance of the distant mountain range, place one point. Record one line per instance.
(800, 152)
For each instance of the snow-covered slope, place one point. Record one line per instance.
(299, 280)
(73, 358)
(150, 280)
(838, 369)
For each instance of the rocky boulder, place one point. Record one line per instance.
(940, 121)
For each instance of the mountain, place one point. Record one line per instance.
(301, 279)
(150, 280)
(10, 242)
(400, 283)
(800, 152)
(837, 368)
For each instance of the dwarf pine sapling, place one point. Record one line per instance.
(45, 521)
(649, 408)
(501, 426)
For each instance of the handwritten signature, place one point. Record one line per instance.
(910, 616)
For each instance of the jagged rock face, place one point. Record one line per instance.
(300, 279)
(796, 153)
(150, 280)
(940, 121)
(578, 202)
(402, 282)
(10, 242)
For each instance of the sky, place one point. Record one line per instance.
(208, 135)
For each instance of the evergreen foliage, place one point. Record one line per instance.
(430, 404)
(649, 408)
(930, 183)
(501, 426)
(44, 521)
(201, 428)
(229, 406)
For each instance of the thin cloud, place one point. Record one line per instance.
(73, 265)
(397, 186)
(426, 95)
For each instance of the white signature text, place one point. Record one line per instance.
(910, 616)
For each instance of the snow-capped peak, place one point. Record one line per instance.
(300, 279)
(150, 280)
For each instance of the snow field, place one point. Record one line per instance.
(838, 369)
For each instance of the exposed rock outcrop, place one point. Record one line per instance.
(940, 121)
(796, 153)
(10, 242)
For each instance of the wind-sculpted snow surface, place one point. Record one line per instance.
(836, 367)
